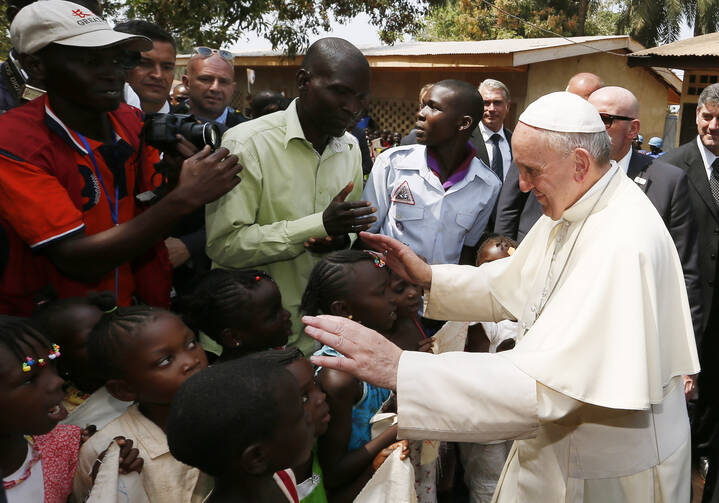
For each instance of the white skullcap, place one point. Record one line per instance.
(563, 112)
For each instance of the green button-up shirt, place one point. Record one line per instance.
(286, 185)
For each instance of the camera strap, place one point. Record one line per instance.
(114, 213)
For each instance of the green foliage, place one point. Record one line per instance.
(286, 24)
(4, 37)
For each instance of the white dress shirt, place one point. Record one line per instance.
(624, 161)
(707, 156)
(504, 147)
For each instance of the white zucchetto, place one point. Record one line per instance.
(563, 112)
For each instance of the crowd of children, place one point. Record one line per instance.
(258, 424)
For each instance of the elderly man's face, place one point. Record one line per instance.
(495, 108)
(152, 78)
(210, 84)
(708, 126)
(548, 174)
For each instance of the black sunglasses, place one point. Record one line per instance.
(608, 119)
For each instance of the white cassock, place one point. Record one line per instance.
(592, 392)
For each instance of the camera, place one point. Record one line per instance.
(161, 131)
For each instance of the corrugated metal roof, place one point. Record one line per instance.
(502, 46)
(703, 45)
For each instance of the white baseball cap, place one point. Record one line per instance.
(58, 22)
(563, 112)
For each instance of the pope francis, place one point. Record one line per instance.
(592, 392)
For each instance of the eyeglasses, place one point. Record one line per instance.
(206, 52)
(608, 119)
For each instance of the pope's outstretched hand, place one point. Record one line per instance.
(400, 258)
(368, 355)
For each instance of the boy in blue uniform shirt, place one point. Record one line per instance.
(436, 196)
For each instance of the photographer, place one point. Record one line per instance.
(72, 162)
(13, 79)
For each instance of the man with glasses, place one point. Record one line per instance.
(666, 186)
(72, 164)
(301, 180)
(210, 83)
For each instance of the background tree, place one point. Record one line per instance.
(286, 24)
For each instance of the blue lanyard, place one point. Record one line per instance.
(114, 214)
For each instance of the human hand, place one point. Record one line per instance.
(206, 176)
(327, 244)
(172, 159)
(87, 432)
(342, 217)
(401, 259)
(425, 345)
(177, 252)
(690, 386)
(369, 356)
(130, 461)
(387, 451)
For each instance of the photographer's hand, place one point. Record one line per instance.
(206, 176)
(342, 217)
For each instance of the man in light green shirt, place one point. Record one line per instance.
(299, 167)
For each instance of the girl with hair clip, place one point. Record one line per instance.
(353, 284)
(238, 312)
(38, 457)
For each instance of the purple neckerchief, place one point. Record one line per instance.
(459, 173)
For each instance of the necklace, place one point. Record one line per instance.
(34, 459)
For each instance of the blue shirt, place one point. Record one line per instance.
(413, 207)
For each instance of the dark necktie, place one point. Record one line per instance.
(497, 162)
(714, 181)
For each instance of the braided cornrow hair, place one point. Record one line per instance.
(18, 332)
(221, 300)
(283, 357)
(329, 280)
(112, 331)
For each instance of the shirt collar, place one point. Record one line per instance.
(487, 133)
(165, 108)
(57, 126)
(707, 156)
(293, 130)
(624, 161)
(459, 173)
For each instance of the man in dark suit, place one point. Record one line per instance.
(491, 139)
(210, 82)
(666, 186)
(698, 158)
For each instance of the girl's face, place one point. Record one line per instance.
(312, 395)
(160, 358)
(31, 401)
(371, 301)
(491, 253)
(269, 325)
(408, 296)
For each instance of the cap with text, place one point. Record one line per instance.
(65, 23)
(563, 112)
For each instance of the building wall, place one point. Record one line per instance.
(393, 92)
(550, 76)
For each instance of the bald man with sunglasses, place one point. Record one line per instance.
(210, 82)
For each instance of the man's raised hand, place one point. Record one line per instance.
(342, 217)
(369, 356)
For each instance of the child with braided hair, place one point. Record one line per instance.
(240, 311)
(68, 322)
(38, 457)
(145, 354)
(353, 284)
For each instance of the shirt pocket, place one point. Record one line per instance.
(465, 221)
(406, 215)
